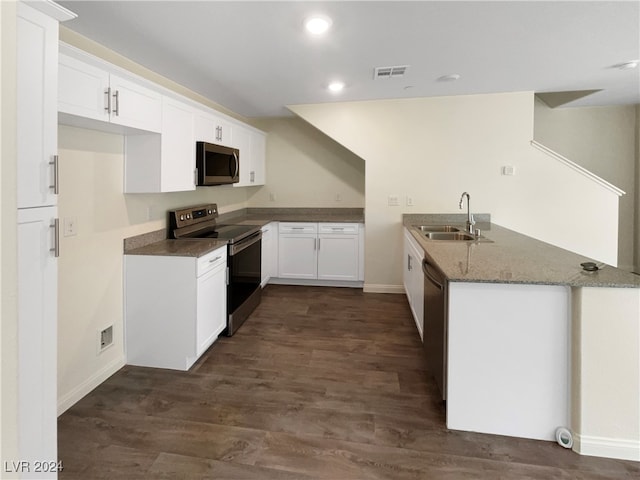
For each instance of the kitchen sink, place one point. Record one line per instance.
(437, 228)
(459, 236)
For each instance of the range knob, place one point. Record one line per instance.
(182, 218)
(210, 212)
(188, 216)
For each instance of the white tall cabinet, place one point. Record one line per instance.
(37, 80)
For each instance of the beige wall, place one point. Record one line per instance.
(603, 140)
(433, 149)
(305, 168)
(8, 238)
(90, 295)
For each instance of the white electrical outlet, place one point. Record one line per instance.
(409, 201)
(508, 170)
(393, 200)
(70, 226)
(272, 197)
(338, 197)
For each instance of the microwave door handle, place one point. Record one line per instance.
(236, 170)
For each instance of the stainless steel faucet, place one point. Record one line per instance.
(470, 221)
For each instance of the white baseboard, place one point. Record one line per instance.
(379, 288)
(315, 283)
(606, 447)
(71, 398)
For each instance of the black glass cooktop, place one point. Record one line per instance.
(226, 232)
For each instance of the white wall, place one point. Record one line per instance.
(433, 149)
(8, 238)
(305, 168)
(90, 295)
(603, 140)
(606, 372)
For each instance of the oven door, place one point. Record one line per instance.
(243, 291)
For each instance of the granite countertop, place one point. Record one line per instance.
(156, 242)
(505, 256)
(179, 248)
(263, 216)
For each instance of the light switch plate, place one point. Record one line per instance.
(393, 200)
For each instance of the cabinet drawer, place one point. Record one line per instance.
(339, 228)
(212, 260)
(298, 227)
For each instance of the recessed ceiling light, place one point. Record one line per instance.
(336, 87)
(318, 24)
(449, 78)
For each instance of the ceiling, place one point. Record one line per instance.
(255, 58)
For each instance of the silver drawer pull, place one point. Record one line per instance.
(215, 259)
(56, 237)
(337, 228)
(56, 178)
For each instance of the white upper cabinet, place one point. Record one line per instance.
(161, 127)
(37, 120)
(163, 162)
(91, 92)
(213, 129)
(251, 144)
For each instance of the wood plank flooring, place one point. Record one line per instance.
(319, 383)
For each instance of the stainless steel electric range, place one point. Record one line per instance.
(243, 261)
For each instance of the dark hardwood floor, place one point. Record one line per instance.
(318, 383)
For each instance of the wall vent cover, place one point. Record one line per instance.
(396, 71)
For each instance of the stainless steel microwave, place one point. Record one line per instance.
(217, 164)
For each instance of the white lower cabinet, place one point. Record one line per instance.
(414, 279)
(175, 307)
(269, 266)
(37, 333)
(338, 248)
(320, 251)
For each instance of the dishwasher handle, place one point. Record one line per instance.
(427, 269)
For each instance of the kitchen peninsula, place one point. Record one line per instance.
(525, 343)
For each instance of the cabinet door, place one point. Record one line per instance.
(204, 128)
(37, 115)
(37, 336)
(224, 132)
(177, 147)
(258, 155)
(83, 89)
(297, 256)
(267, 258)
(417, 286)
(242, 141)
(212, 307)
(133, 105)
(338, 257)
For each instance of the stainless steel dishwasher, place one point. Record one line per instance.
(435, 324)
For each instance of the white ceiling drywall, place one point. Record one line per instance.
(255, 57)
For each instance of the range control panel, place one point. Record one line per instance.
(193, 215)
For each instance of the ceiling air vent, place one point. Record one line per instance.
(397, 71)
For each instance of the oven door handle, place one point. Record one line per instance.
(245, 243)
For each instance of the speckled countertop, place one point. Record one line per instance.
(179, 248)
(262, 216)
(156, 243)
(505, 256)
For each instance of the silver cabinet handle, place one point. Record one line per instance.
(318, 244)
(339, 229)
(213, 260)
(56, 237)
(409, 262)
(195, 177)
(56, 178)
(107, 107)
(116, 109)
(252, 176)
(315, 243)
